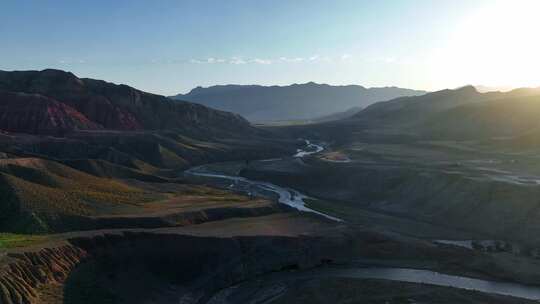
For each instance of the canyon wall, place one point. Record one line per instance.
(198, 265)
(23, 274)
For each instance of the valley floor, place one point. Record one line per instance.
(200, 244)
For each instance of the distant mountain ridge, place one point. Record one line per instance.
(415, 108)
(457, 114)
(339, 115)
(294, 102)
(510, 114)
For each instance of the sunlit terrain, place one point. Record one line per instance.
(269, 152)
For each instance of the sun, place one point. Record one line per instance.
(497, 45)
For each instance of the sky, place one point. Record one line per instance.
(169, 47)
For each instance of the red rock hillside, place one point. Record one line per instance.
(116, 107)
(32, 113)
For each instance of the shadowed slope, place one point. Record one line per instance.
(39, 195)
(502, 117)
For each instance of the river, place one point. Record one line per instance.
(439, 279)
(287, 196)
(295, 199)
(277, 283)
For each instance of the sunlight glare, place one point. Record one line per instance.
(498, 45)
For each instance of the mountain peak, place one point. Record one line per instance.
(467, 89)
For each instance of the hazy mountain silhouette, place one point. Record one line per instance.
(459, 113)
(338, 115)
(485, 89)
(502, 115)
(414, 109)
(297, 101)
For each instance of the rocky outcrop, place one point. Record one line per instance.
(25, 273)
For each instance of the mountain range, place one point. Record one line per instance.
(54, 114)
(457, 114)
(63, 134)
(53, 100)
(72, 148)
(294, 102)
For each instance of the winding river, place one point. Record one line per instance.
(439, 279)
(276, 284)
(295, 199)
(287, 196)
(311, 148)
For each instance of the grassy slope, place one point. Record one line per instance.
(10, 240)
(43, 196)
(38, 193)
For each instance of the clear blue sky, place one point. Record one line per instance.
(168, 47)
